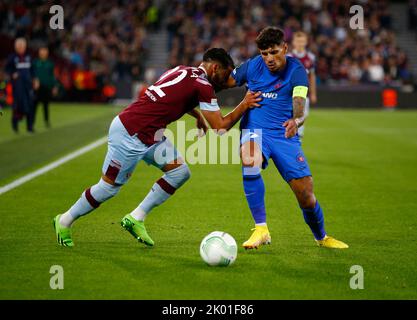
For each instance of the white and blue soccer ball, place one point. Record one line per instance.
(218, 249)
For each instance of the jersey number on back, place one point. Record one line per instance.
(158, 87)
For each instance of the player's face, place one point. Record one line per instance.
(43, 53)
(274, 57)
(20, 46)
(219, 76)
(299, 44)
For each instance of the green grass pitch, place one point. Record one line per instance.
(364, 165)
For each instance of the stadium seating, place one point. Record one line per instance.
(107, 38)
(345, 56)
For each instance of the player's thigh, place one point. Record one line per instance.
(164, 156)
(251, 155)
(251, 149)
(289, 159)
(123, 154)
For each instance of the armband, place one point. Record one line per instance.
(300, 91)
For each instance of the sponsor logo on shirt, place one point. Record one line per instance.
(270, 95)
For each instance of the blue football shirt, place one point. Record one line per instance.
(277, 89)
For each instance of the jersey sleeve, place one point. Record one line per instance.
(240, 73)
(299, 82)
(299, 77)
(206, 97)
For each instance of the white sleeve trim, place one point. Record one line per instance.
(213, 106)
(202, 81)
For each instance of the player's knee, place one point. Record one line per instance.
(306, 199)
(251, 159)
(247, 161)
(186, 173)
(178, 176)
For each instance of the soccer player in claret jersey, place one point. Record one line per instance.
(270, 131)
(137, 134)
(307, 58)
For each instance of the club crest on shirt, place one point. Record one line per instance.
(300, 158)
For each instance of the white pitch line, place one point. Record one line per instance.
(53, 165)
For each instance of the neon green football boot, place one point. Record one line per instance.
(137, 229)
(63, 235)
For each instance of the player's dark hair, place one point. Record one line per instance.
(269, 37)
(219, 55)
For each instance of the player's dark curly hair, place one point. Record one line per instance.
(269, 37)
(219, 55)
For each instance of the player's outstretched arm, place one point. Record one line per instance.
(223, 123)
(201, 123)
(292, 125)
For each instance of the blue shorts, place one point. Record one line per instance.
(287, 154)
(124, 152)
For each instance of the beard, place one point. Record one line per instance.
(217, 87)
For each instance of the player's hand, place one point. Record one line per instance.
(55, 91)
(251, 99)
(15, 76)
(291, 128)
(201, 124)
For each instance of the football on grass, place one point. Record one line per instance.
(218, 249)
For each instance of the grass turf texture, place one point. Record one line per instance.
(73, 126)
(363, 162)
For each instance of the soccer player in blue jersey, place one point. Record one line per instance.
(270, 132)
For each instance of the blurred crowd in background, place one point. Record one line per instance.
(106, 43)
(103, 42)
(343, 55)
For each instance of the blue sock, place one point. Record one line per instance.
(315, 220)
(254, 188)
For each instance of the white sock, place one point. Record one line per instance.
(263, 224)
(138, 214)
(154, 198)
(98, 193)
(66, 219)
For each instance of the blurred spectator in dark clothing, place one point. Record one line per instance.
(21, 73)
(95, 36)
(48, 86)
